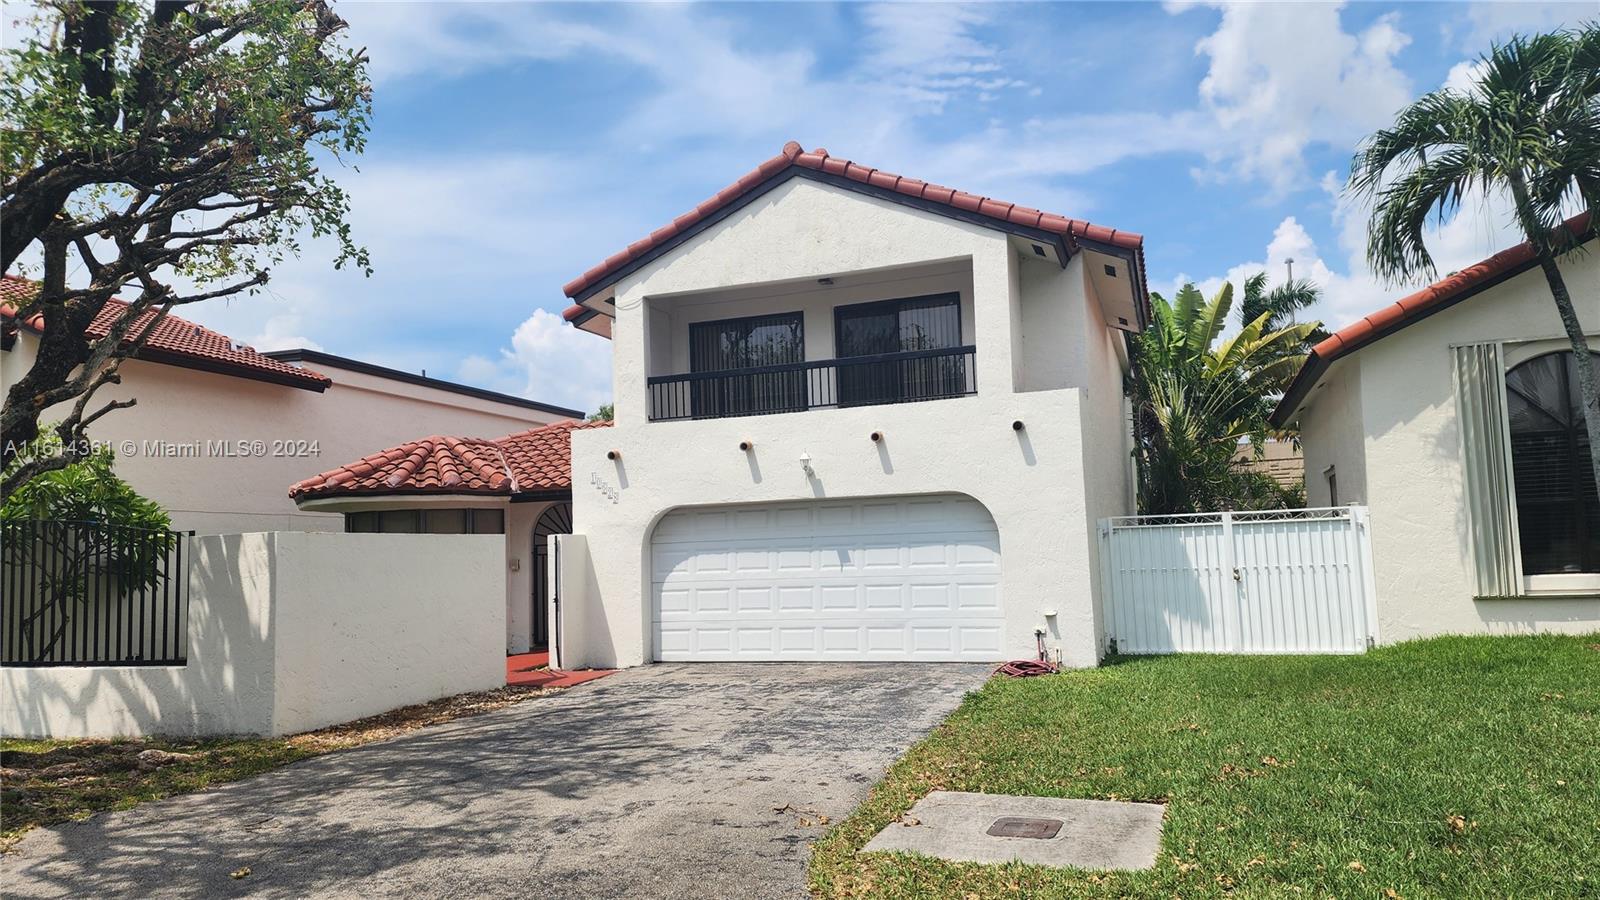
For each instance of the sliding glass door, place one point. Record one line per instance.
(757, 342)
(871, 331)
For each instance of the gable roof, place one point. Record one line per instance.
(1067, 234)
(175, 341)
(533, 461)
(1413, 308)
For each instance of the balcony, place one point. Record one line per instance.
(875, 380)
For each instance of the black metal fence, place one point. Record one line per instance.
(86, 593)
(792, 387)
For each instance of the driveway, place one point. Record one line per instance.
(661, 781)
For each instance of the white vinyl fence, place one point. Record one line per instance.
(1279, 581)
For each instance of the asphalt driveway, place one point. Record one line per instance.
(663, 781)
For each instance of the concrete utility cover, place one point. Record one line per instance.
(1094, 834)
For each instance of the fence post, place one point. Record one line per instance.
(1108, 594)
(1362, 525)
(1235, 631)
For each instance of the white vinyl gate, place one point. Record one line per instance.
(1278, 581)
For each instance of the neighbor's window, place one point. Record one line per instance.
(426, 521)
(1558, 510)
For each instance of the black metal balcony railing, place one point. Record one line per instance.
(794, 387)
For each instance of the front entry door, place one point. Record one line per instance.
(555, 520)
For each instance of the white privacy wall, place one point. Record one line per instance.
(290, 631)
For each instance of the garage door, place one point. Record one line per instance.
(895, 578)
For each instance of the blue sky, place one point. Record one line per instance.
(515, 145)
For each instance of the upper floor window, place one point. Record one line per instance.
(1558, 509)
(894, 327)
(748, 343)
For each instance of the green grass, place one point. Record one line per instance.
(1454, 767)
(58, 781)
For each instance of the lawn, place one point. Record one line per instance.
(44, 782)
(1455, 767)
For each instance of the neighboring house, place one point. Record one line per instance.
(1279, 460)
(858, 417)
(1453, 414)
(219, 429)
(519, 485)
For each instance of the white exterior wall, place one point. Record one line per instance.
(1032, 482)
(358, 415)
(1333, 433)
(1413, 473)
(291, 631)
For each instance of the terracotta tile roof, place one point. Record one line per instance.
(539, 459)
(176, 341)
(1413, 308)
(1073, 230)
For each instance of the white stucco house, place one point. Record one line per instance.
(858, 417)
(220, 429)
(1453, 414)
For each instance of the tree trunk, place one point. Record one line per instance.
(1588, 380)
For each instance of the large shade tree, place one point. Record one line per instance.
(170, 150)
(1528, 127)
(1198, 395)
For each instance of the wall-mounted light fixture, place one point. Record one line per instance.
(747, 445)
(1017, 425)
(877, 437)
(613, 454)
(805, 463)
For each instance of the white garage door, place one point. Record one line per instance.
(894, 578)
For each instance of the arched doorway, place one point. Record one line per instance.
(557, 519)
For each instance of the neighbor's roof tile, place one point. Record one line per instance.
(1409, 309)
(538, 459)
(175, 340)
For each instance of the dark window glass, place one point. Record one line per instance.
(488, 521)
(444, 521)
(1558, 510)
(899, 326)
(361, 522)
(398, 521)
(756, 342)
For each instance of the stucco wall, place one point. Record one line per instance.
(290, 631)
(1030, 481)
(244, 492)
(799, 232)
(1333, 433)
(1413, 460)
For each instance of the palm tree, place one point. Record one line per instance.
(1195, 402)
(1281, 303)
(1528, 126)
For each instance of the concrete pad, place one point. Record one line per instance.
(1093, 834)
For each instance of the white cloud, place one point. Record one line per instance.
(283, 333)
(1480, 229)
(548, 360)
(1284, 76)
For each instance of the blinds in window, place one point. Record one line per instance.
(1486, 469)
